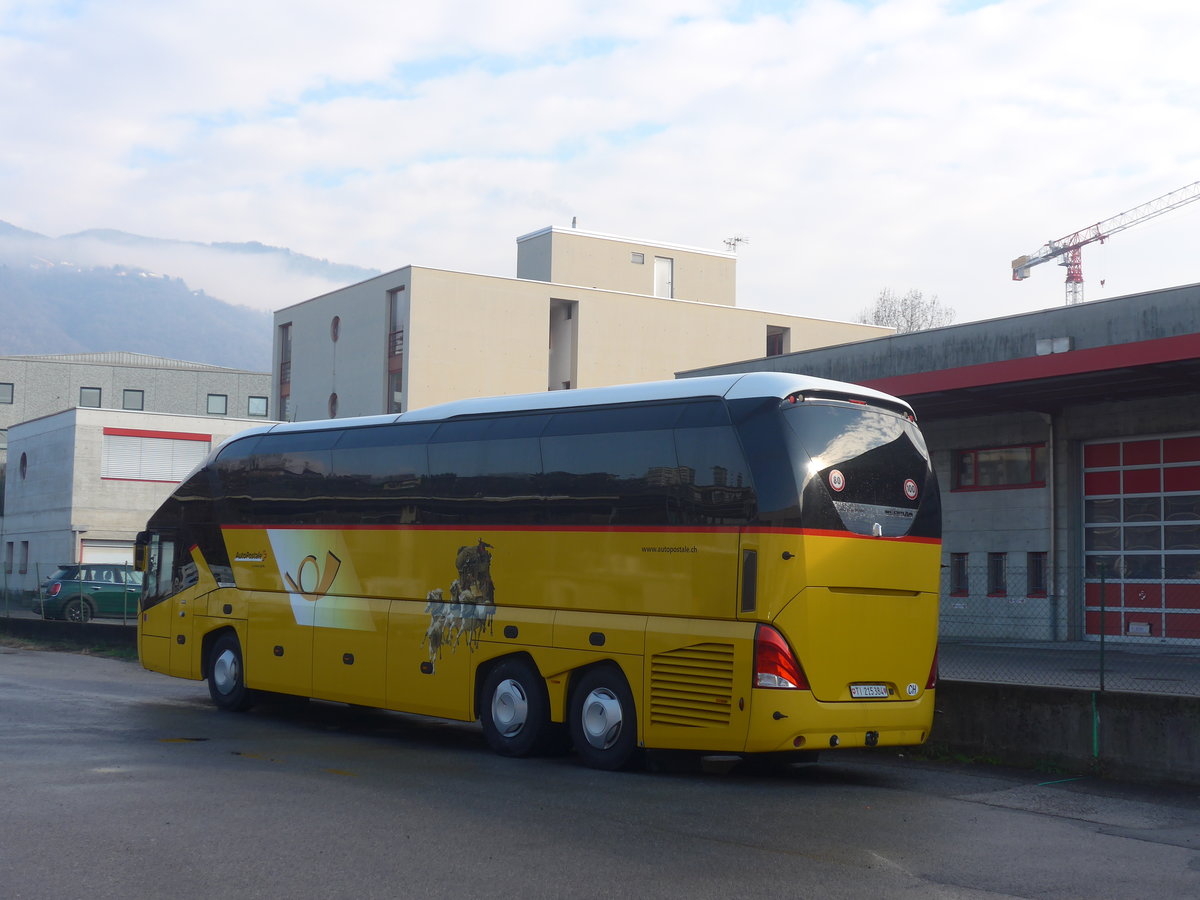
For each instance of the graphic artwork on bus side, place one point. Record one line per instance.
(471, 606)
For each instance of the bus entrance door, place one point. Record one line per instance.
(184, 659)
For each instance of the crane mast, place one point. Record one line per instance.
(1067, 250)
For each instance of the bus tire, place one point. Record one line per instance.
(515, 712)
(603, 719)
(226, 676)
(78, 610)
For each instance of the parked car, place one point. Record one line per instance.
(79, 592)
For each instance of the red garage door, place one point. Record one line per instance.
(1142, 537)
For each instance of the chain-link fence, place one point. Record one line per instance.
(1081, 629)
(78, 592)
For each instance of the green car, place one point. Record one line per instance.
(79, 592)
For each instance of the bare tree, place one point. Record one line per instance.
(912, 312)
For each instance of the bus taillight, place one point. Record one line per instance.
(775, 665)
(933, 673)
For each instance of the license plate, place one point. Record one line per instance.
(868, 691)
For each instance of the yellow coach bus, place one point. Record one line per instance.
(736, 564)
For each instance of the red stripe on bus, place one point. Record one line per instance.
(598, 529)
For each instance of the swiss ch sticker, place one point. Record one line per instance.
(837, 480)
(910, 489)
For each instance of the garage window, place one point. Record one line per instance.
(992, 468)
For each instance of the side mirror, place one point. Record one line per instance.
(139, 550)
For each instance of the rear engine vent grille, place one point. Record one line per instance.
(692, 686)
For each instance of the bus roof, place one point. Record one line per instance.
(730, 387)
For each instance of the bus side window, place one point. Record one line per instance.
(719, 490)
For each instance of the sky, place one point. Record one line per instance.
(858, 146)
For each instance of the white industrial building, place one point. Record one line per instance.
(81, 483)
(35, 386)
(91, 444)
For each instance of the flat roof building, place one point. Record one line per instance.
(585, 310)
(35, 386)
(81, 484)
(91, 443)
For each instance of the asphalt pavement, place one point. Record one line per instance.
(117, 782)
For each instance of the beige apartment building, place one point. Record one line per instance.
(585, 310)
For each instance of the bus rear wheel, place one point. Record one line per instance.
(604, 719)
(515, 711)
(226, 677)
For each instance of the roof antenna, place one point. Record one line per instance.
(731, 244)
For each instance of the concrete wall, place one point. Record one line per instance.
(45, 385)
(586, 259)
(535, 255)
(481, 335)
(1144, 737)
(355, 365)
(1013, 521)
(62, 489)
(38, 505)
(474, 336)
(1100, 323)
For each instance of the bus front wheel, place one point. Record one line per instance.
(226, 677)
(604, 719)
(515, 712)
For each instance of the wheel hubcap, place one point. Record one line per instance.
(510, 708)
(602, 718)
(225, 671)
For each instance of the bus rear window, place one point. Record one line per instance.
(870, 465)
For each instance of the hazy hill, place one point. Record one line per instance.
(103, 290)
(61, 310)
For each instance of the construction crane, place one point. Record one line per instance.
(1067, 249)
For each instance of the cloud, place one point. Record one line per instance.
(860, 145)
